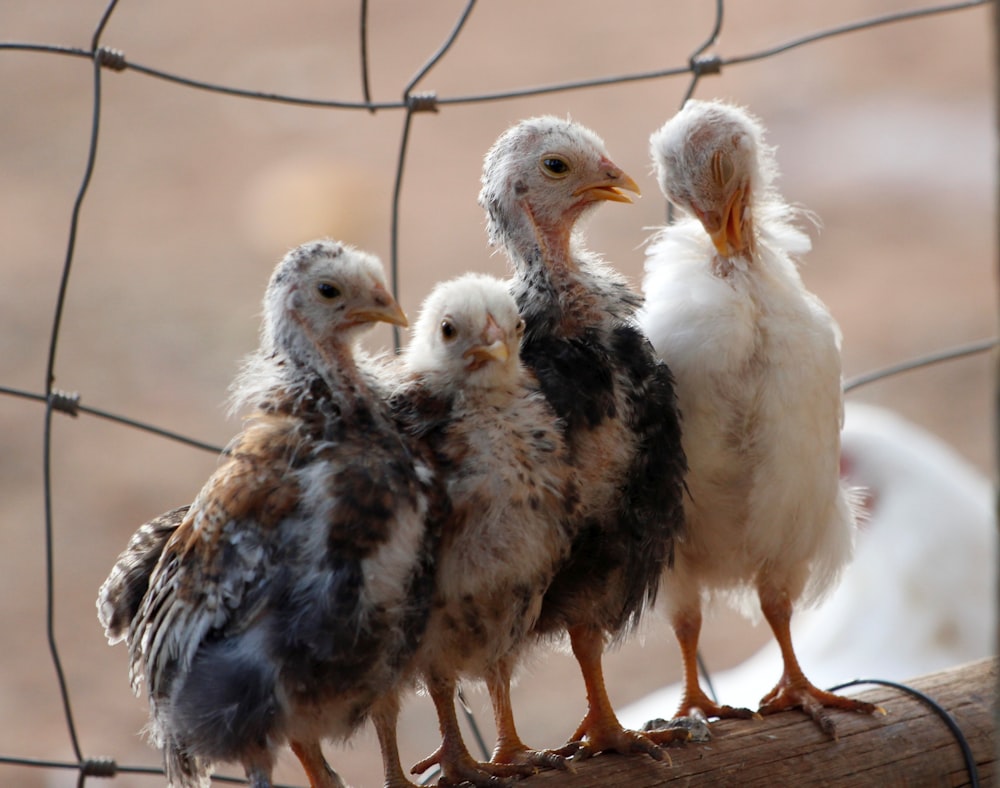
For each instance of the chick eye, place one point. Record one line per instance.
(327, 290)
(555, 165)
(520, 328)
(448, 330)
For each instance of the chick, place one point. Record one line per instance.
(500, 453)
(615, 399)
(284, 602)
(757, 363)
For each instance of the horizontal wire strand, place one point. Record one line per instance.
(528, 92)
(103, 57)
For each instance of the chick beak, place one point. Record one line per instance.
(382, 309)
(492, 347)
(734, 236)
(609, 185)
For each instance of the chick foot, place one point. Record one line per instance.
(800, 693)
(316, 768)
(509, 748)
(459, 767)
(696, 703)
(522, 755)
(605, 734)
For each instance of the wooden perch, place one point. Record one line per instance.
(910, 745)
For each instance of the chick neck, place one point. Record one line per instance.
(546, 256)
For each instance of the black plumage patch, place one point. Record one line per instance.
(574, 374)
(589, 379)
(652, 515)
(227, 701)
(326, 641)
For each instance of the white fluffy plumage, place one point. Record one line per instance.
(919, 595)
(756, 358)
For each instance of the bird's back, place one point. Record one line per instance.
(601, 377)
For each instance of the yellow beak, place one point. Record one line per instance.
(734, 236)
(481, 354)
(383, 309)
(493, 346)
(609, 186)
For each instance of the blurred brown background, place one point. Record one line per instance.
(887, 134)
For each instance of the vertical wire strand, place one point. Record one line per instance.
(101, 24)
(696, 74)
(50, 380)
(47, 435)
(397, 188)
(363, 33)
(442, 50)
(401, 160)
(712, 38)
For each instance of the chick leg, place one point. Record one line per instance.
(793, 689)
(457, 765)
(384, 717)
(509, 747)
(694, 702)
(316, 768)
(600, 730)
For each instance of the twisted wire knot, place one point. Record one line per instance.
(711, 64)
(422, 102)
(98, 767)
(111, 58)
(66, 401)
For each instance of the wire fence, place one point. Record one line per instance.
(100, 57)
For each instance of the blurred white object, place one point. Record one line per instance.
(919, 595)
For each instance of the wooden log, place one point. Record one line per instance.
(910, 745)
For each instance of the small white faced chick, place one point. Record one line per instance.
(468, 335)
(503, 462)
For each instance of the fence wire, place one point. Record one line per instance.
(102, 58)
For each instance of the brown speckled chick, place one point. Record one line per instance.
(500, 454)
(614, 398)
(286, 599)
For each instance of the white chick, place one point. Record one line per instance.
(756, 358)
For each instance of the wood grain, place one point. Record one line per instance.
(910, 745)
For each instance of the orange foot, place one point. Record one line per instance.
(696, 703)
(522, 755)
(457, 768)
(802, 694)
(598, 733)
